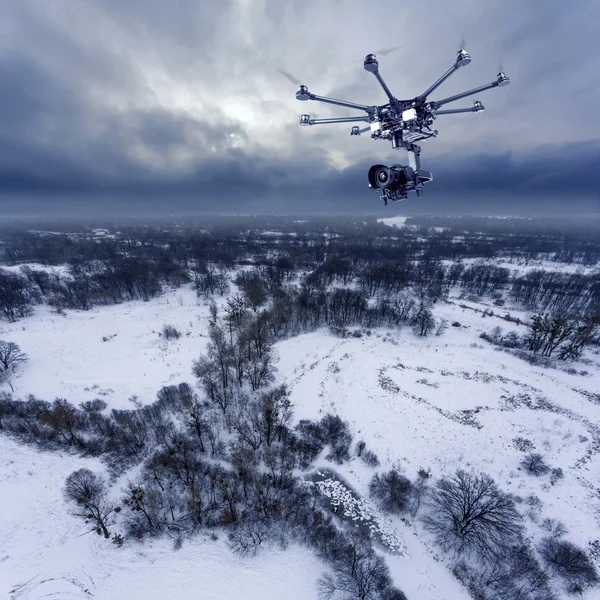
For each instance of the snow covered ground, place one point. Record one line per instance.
(439, 403)
(393, 221)
(68, 357)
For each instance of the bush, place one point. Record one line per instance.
(170, 333)
(96, 405)
(370, 458)
(556, 475)
(523, 444)
(367, 456)
(337, 434)
(391, 491)
(534, 464)
(568, 561)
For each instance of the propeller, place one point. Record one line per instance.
(289, 77)
(386, 51)
(293, 79)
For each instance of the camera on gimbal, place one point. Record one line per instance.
(396, 181)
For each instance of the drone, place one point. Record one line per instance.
(404, 123)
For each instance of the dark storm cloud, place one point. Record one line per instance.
(185, 99)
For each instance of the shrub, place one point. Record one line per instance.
(534, 464)
(96, 405)
(370, 458)
(360, 447)
(391, 491)
(556, 475)
(523, 444)
(170, 333)
(367, 456)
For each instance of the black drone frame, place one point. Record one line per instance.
(404, 123)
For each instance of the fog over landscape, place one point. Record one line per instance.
(154, 106)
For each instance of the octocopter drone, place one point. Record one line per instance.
(404, 123)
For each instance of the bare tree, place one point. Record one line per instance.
(441, 326)
(249, 536)
(469, 512)
(10, 356)
(358, 572)
(64, 420)
(423, 322)
(88, 491)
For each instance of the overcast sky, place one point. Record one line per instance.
(180, 104)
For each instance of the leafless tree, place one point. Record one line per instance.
(358, 572)
(10, 356)
(65, 420)
(88, 490)
(469, 512)
(441, 326)
(423, 322)
(249, 536)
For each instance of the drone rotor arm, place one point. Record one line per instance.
(501, 81)
(372, 65)
(306, 120)
(441, 80)
(462, 60)
(303, 94)
(477, 107)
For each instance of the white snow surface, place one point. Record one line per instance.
(397, 221)
(405, 396)
(69, 359)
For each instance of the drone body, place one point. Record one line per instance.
(404, 123)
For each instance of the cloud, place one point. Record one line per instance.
(185, 99)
